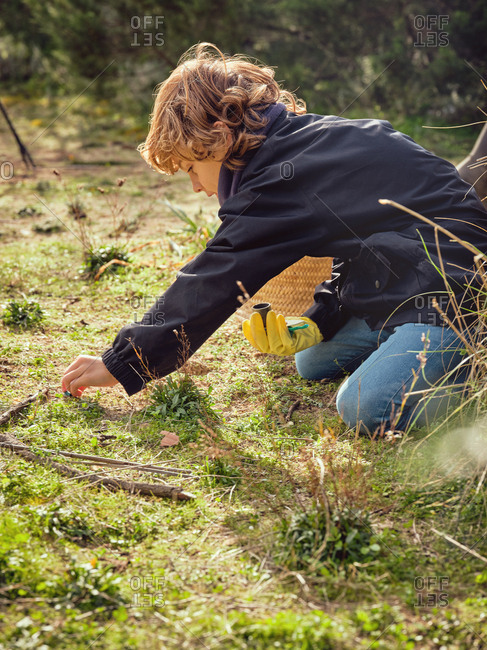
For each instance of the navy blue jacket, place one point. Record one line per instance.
(312, 188)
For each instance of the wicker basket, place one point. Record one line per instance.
(291, 292)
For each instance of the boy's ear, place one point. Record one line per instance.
(223, 127)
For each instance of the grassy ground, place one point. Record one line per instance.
(242, 565)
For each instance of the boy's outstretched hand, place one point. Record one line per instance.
(86, 371)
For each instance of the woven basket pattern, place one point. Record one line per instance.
(291, 292)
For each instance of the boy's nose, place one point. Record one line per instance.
(197, 187)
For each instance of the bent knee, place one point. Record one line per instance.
(305, 369)
(310, 366)
(359, 409)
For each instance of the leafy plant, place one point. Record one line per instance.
(87, 586)
(76, 209)
(23, 314)
(289, 630)
(178, 398)
(64, 521)
(127, 531)
(20, 484)
(96, 258)
(199, 230)
(222, 473)
(20, 568)
(29, 211)
(316, 535)
(15, 488)
(11, 559)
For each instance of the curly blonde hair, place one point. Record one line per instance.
(208, 86)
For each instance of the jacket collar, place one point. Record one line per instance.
(229, 180)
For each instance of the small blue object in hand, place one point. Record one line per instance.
(67, 393)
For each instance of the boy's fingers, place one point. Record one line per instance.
(75, 390)
(67, 379)
(273, 337)
(86, 371)
(284, 334)
(77, 369)
(258, 332)
(71, 382)
(247, 332)
(74, 364)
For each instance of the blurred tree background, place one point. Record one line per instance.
(403, 58)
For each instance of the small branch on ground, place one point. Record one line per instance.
(18, 447)
(8, 415)
(462, 546)
(292, 408)
(158, 490)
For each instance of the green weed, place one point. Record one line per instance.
(96, 258)
(11, 558)
(179, 398)
(83, 585)
(290, 630)
(23, 314)
(315, 535)
(221, 473)
(22, 558)
(22, 484)
(199, 229)
(88, 586)
(64, 522)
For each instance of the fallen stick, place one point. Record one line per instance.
(158, 490)
(105, 266)
(8, 415)
(462, 546)
(292, 408)
(24, 152)
(102, 460)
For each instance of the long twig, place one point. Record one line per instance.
(5, 417)
(462, 546)
(10, 441)
(102, 460)
(173, 492)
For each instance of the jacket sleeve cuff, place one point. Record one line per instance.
(130, 379)
(328, 322)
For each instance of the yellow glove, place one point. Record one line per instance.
(282, 336)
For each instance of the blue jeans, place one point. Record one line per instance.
(382, 364)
